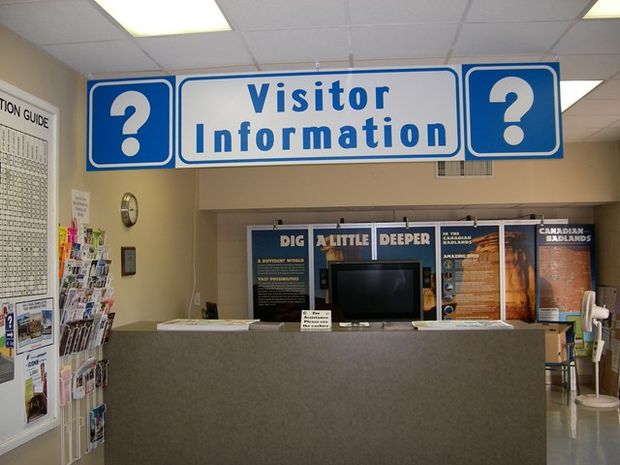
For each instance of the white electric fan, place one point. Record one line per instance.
(591, 315)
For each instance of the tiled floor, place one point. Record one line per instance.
(580, 436)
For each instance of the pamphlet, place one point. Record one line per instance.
(459, 325)
(84, 378)
(96, 422)
(35, 385)
(205, 325)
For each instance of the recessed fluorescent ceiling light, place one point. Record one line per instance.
(571, 91)
(144, 18)
(604, 9)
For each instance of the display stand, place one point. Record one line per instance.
(86, 301)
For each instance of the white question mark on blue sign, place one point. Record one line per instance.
(513, 134)
(132, 125)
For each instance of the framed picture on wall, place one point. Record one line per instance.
(128, 261)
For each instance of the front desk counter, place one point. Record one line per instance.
(347, 397)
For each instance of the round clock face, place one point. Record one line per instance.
(129, 209)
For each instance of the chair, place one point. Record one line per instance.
(565, 367)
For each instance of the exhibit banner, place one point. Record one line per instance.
(470, 272)
(413, 243)
(347, 243)
(447, 112)
(520, 272)
(280, 274)
(565, 268)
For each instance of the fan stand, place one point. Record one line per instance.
(597, 400)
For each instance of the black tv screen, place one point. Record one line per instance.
(377, 290)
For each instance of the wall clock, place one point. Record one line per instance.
(129, 209)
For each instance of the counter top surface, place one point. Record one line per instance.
(294, 327)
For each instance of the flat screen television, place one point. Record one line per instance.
(376, 290)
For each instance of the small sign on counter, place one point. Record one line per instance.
(316, 320)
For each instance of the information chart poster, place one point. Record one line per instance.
(280, 274)
(413, 243)
(337, 244)
(470, 272)
(28, 160)
(520, 272)
(565, 268)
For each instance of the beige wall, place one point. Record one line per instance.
(588, 174)
(569, 188)
(607, 220)
(163, 236)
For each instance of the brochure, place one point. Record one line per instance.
(205, 325)
(35, 385)
(96, 420)
(459, 325)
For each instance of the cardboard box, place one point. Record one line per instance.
(555, 341)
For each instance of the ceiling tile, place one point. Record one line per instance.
(525, 10)
(457, 60)
(420, 11)
(610, 134)
(591, 37)
(305, 66)
(589, 66)
(590, 106)
(579, 127)
(574, 133)
(402, 41)
(608, 89)
(67, 21)
(588, 121)
(508, 38)
(125, 74)
(400, 62)
(99, 57)
(298, 45)
(218, 70)
(208, 50)
(247, 15)
(4, 2)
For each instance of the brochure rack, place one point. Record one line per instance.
(86, 303)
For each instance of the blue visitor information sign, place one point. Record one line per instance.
(372, 115)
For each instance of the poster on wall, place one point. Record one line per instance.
(565, 269)
(34, 324)
(470, 272)
(280, 274)
(337, 245)
(7, 339)
(28, 219)
(413, 243)
(520, 272)
(35, 385)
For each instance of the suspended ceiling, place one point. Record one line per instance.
(272, 35)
